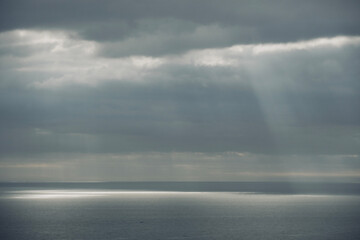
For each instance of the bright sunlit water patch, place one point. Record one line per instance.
(59, 194)
(50, 194)
(93, 213)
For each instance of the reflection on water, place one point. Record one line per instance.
(59, 194)
(62, 194)
(57, 214)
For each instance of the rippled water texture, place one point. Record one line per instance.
(112, 214)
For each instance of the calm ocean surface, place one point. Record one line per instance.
(179, 211)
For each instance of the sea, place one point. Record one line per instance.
(179, 210)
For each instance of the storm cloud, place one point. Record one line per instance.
(168, 27)
(228, 90)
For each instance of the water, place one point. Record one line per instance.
(77, 211)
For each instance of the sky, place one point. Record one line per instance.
(169, 90)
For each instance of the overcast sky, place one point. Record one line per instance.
(169, 90)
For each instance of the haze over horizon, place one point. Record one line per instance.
(169, 90)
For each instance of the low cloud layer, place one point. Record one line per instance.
(181, 166)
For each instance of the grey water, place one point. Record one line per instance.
(187, 210)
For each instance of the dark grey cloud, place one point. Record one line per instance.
(299, 103)
(167, 27)
(128, 117)
(179, 90)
